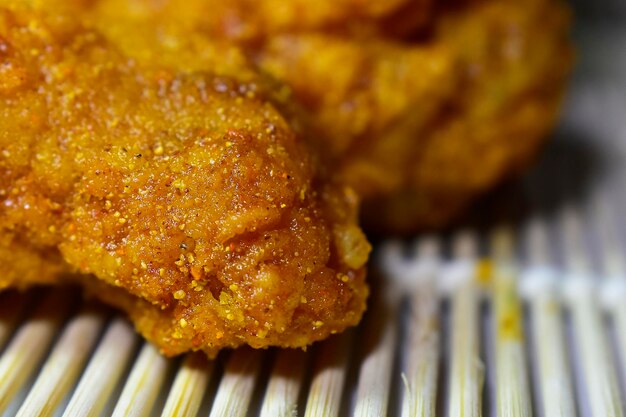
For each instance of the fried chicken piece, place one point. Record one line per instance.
(252, 21)
(371, 88)
(190, 197)
(513, 60)
(366, 103)
(419, 127)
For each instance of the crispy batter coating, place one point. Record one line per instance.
(420, 121)
(513, 60)
(188, 195)
(421, 128)
(365, 103)
(251, 21)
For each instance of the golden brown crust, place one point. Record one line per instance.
(189, 191)
(514, 59)
(252, 21)
(366, 103)
(420, 119)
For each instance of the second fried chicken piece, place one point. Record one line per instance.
(367, 104)
(513, 61)
(253, 21)
(421, 128)
(189, 196)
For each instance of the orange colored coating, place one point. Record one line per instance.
(186, 198)
(420, 107)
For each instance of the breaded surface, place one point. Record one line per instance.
(420, 128)
(364, 102)
(419, 120)
(513, 60)
(188, 195)
(252, 21)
